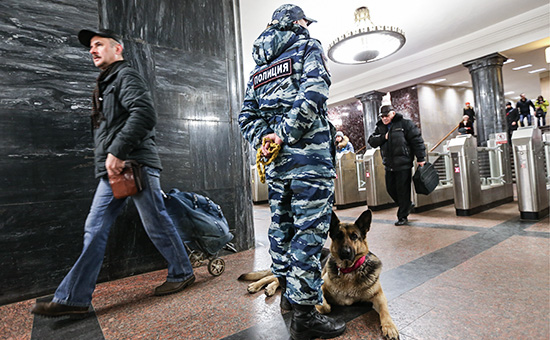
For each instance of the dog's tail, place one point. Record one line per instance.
(253, 276)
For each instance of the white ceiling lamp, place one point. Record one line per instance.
(367, 42)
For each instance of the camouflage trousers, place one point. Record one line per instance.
(300, 220)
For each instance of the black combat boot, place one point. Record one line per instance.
(285, 304)
(307, 323)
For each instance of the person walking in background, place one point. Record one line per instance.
(469, 111)
(285, 104)
(541, 107)
(400, 141)
(123, 121)
(465, 126)
(523, 106)
(343, 145)
(512, 118)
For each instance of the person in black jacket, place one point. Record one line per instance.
(522, 106)
(123, 121)
(400, 141)
(469, 111)
(512, 117)
(465, 126)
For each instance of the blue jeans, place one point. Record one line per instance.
(77, 287)
(522, 116)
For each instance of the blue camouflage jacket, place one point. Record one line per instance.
(287, 94)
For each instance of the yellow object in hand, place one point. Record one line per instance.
(262, 161)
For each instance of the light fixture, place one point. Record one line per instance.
(547, 52)
(367, 42)
(461, 83)
(538, 70)
(521, 67)
(436, 81)
(508, 61)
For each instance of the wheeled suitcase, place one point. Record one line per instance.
(202, 227)
(425, 179)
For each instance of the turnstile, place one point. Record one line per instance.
(375, 181)
(471, 193)
(349, 186)
(546, 143)
(443, 194)
(530, 175)
(259, 189)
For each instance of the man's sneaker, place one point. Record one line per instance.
(173, 287)
(54, 309)
(307, 323)
(402, 221)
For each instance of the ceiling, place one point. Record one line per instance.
(440, 35)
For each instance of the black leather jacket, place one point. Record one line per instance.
(128, 129)
(403, 144)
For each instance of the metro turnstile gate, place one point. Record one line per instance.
(530, 174)
(259, 189)
(443, 194)
(375, 181)
(349, 186)
(470, 195)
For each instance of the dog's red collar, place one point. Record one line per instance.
(356, 265)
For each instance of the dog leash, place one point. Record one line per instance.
(262, 162)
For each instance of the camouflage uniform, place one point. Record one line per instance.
(286, 95)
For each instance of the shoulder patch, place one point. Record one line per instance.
(278, 70)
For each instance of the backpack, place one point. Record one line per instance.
(199, 221)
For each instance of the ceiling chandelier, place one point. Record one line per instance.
(367, 42)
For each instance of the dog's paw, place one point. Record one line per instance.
(253, 288)
(390, 331)
(323, 309)
(271, 288)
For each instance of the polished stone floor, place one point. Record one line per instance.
(485, 276)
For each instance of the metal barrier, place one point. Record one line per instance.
(546, 143)
(472, 194)
(530, 175)
(349, 186)
(443, 194)
(375, 181)
(259, 189)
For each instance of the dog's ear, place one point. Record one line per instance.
(334, 225)
(364, 221)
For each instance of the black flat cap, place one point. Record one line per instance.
(386, 109)
(85, 36)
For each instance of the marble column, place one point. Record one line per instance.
(371, 102)
(486, 73)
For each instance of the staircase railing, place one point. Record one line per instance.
(445, 137)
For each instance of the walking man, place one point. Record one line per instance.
(123, 120)
(400, 141)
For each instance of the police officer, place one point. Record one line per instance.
(400, 141)
(285, 103)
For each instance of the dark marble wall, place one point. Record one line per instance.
(348, 118)
(187, 51)
(405, 101)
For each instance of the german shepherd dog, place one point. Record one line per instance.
(351, 273)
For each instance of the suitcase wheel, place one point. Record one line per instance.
(216, 266)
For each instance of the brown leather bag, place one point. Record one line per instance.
(128, 182)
